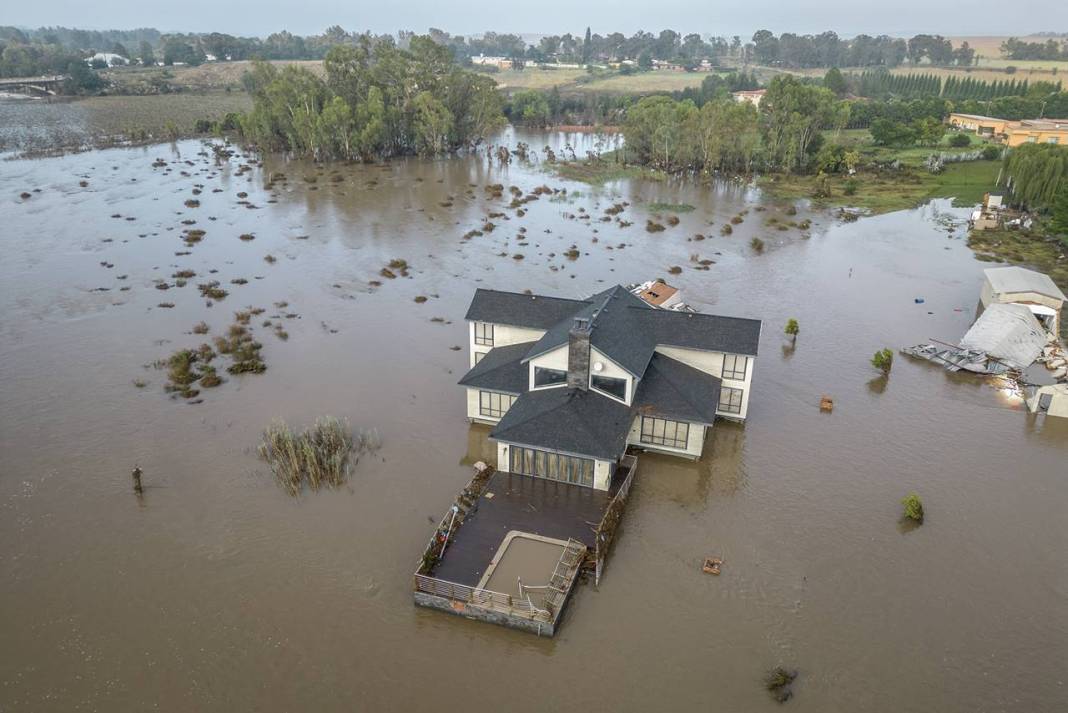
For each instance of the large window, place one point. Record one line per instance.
(661, 432)
(484, 334)
(493, 404)
(549, 377)
(730, 400)
(734, 367)
(554, 466)
(610, 385)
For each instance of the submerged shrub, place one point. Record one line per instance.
(319, 455)
(913, 507)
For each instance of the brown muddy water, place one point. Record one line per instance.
(217, 591)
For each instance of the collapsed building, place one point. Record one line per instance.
(1018, 326)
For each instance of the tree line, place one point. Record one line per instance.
(376, 101)
(539, 108)
(881, 84)
(1014, 48)
(724, 135)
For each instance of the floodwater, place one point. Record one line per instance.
(217, 591)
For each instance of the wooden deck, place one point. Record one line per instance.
(520, 502)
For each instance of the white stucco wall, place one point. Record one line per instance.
(556, 359)
(712, 363)
(503, 336)
(473, 411)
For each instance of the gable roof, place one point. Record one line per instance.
(1019, 279)
(613, 329)
(671, 389)
(568, 420)
(520, 310)
(624, 327)
(502, 369)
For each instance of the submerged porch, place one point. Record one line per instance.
(470, 549)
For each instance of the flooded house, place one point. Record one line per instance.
(569, 384)
(571, 390)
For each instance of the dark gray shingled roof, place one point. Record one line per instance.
(520, 310)
(567, 420)
(502, 369)
(615, 331)
(710, 332)
(671, 389)
(625, 328)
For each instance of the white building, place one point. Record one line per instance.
(569, 384)
(753, 96)
(1034, 290)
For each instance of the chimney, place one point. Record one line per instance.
(578, 354)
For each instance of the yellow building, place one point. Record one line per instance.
(1037, 131)
(981, 125)
(1013, 133)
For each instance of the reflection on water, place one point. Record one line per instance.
(221, 592)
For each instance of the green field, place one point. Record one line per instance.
(887, 191)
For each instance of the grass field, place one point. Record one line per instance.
(210, 77)
(537, 78)
(578, 80)
(886, 191)
(860, 140)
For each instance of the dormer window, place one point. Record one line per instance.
(610, 385)
(484, 334)
(549, 377)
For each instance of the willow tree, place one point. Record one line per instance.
(376, 101)
(1037, 174)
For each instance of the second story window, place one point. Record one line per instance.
(484, 334)
(734, 367)
(549, 377)
(610, 385)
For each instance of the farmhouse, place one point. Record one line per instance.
(569, 384)
(753, 96)
(1013, 133)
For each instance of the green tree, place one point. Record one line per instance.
(587, 48)
(1037, 174)
(531, 108)
(148, 57)
(792, 328)
(1060, 210)
(834, 81)
(794, 115)
(887, 132)
(883, 360)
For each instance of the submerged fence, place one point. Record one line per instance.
(606, 530)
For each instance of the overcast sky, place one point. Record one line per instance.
(261, 17)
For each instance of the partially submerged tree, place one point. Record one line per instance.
(883, 360)
(792, 328)
(913, 507)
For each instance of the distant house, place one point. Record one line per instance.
(109, 58)
(1034, 290)
(753, 96)
(1013, 133)
(569, 384)
(498, 62)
